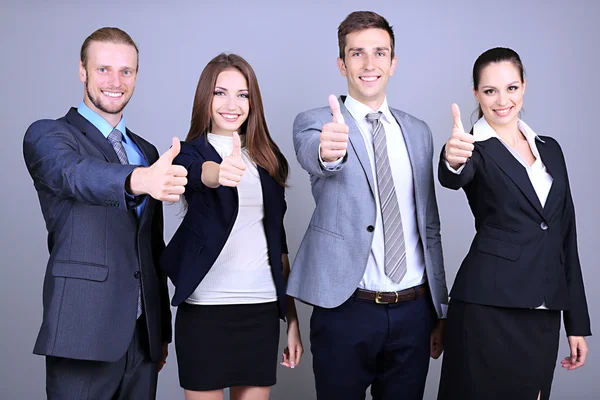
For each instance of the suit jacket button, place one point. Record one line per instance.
(543, 226)
(137, 274)
(370, 228)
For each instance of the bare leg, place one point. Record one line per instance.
(249, 393)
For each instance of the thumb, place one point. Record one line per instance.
(335, 110)
(237, 145)
(456, 114)
(170, 154)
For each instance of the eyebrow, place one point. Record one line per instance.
(225, 89)
(359, 49)
(493, 87)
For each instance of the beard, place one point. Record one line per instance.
(98, 104)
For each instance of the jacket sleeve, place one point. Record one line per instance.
(307, 139)
(576, 317)
(56, 165)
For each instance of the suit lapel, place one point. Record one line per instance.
(513, 169)
(358, 143)
(552, 161)
(93, 135)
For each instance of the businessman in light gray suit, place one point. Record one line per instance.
(371, 260)
(107, 321)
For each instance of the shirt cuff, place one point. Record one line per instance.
(456, 171)
(330, 165)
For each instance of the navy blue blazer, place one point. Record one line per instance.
(523, 254)
(208, 222)
(99, 250)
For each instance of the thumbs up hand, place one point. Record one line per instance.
(459, 148)
(232, 167)
(162, 180)
(334, 135)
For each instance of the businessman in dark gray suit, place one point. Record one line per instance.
(106, 322)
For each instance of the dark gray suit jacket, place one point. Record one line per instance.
(99, 250)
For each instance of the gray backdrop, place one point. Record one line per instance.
(293, 50)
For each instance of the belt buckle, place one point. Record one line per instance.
(379, 301)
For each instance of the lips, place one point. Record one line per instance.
(503, 112)
(114, 95)
(369, 79)
(230, 117)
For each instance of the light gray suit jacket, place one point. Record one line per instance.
(333, 254)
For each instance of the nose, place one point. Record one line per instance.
(369, 61)
(231, 102)
(502, 98)
(115, 79)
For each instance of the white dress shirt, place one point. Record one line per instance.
(241, 273)
(375, 277)
(540, 179)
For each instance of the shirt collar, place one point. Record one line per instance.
(482, 130)
(359, 110)
(100, 123)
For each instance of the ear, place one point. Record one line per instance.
(341, 66)
(393, 66)
(476, 94)
(82, 73)
(524, 85)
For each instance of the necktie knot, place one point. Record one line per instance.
(115, 136)
(373, 117)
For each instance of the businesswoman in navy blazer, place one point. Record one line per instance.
(522, 270)
(228, 258)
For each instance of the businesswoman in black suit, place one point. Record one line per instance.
(522, 269)
(228, 258)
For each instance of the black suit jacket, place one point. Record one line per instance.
(523, 254)
(99, 250)
(208, 222)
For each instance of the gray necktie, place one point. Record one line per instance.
(116, 139)
(395, 249)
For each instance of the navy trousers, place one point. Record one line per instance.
(361, 344)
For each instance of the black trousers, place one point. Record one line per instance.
(133, 377)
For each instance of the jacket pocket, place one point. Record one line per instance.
(91, 272)
(326, 232)
(498, 247)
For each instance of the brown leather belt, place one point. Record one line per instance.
(392, 297)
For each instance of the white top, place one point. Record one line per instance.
(375, 277)
(540, 179)
(241, 273)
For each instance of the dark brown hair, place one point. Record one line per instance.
(495, 55)
(253, 132)
(107, 35)
(360, 21)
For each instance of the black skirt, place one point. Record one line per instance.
(220, 346)
(498, 353)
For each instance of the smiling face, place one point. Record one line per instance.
(230, 103)
(500, 93)
(109, 77)
(368, 65)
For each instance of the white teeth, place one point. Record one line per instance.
(368, 78)
(111, 94)
(503, 111)
(230, 116)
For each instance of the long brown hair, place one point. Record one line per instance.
(253, 132)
